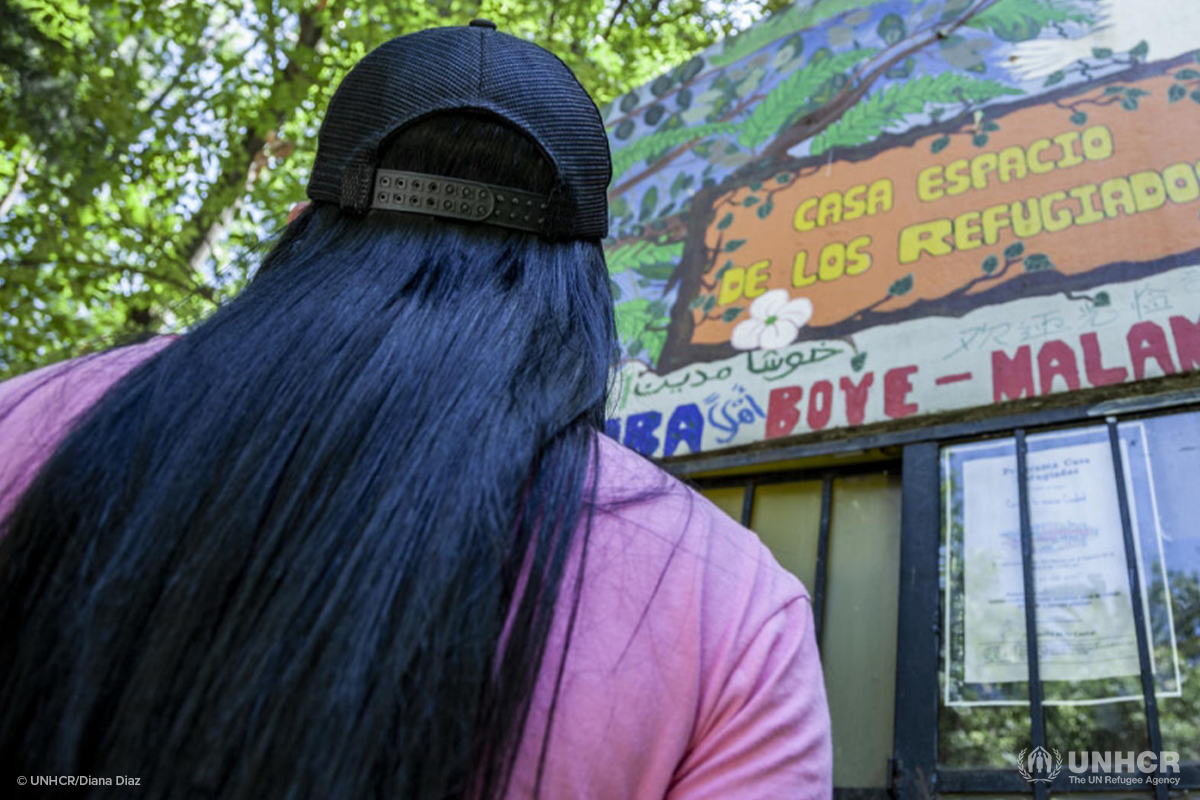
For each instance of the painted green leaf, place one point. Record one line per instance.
(1195, 95)
(765, 209)
(1141, 50)
(1101, 300)
(649, 204)
(980, 140)
(636, 254)
(734, 244)
(751, 200)
(991, 264)
(1055, 78)
(991, 127)
(1188, 74)
(1177, 92)
(868, 118)
(795, 17)
(902, 286)
(858, 361)
(892, 28)
(696, 302)
(939, 144)
(903, 70)
(1020, 20)
(730, 314)
(1114, 90)
(631, 317)
(725, 222)
(681, 183)
(654, 341)
(1079, 118)
(709, 302)
(691, 69)
(639, 150)
(1129, 104)
(656, 272)
(770, 115)
(1038, 262)
(1101, 53)
(1014, 251)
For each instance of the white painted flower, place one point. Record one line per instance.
(775, 321)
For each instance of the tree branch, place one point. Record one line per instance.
(203, 290)
(19, 178)
(612, 20)
(238, 169)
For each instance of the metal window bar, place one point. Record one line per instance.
(1037, 717)
(818, 600)
(748, 503)
(916, 720)
(1149, 679)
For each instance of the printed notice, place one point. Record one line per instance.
(1084, 614)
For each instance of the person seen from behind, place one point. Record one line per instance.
(359, 534)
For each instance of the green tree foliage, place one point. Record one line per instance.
(146, 148)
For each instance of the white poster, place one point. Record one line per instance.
(1084, 614)
(1087, 641)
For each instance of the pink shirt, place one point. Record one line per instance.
(692, 672)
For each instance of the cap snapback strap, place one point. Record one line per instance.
(438, 196)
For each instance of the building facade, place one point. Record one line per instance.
(912, 288)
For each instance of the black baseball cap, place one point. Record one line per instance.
(478, 69)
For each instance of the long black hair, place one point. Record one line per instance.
(314, 547)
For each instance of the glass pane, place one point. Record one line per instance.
(1163, 458)
(1104, 728)
(982, 721)
(787, 517)
(858, 648)
(728, 500)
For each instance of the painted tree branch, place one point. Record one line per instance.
(689, 272)
(818, 120)
(850, 95)
(661, 163)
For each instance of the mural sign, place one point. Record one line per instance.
(859, 211)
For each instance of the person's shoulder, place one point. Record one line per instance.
(38, 408)
(95, 370)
